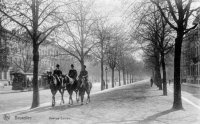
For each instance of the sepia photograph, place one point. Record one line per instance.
(99, 61)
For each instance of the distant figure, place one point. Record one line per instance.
(169, 81)
(151, 80)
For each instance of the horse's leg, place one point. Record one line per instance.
(82, 97)
(88, 96)
(71, 99)
(77, 97)
(53, 104)
(63, 96)
(62, 93)
(90, 87)
(53, 99)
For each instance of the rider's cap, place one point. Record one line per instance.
(72, 65)
(57, 65)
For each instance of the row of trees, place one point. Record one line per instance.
(76, 30)
(161, 29)
(155, 37)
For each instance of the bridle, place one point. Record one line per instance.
(51, 79)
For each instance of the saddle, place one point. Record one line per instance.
(58, 80)
(71, 80)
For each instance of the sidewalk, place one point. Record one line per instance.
(132, 104)
(191, 85)
(8, 89)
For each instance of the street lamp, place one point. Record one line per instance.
(106, 69)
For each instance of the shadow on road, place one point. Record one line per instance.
(155, 116)
(50, 108)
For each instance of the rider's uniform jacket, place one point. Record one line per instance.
(83, 74)
(72, 73)
(57, 72)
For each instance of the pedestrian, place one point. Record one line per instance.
(151, 80)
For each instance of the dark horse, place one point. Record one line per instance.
(70, 87)
(85, 86)
(55, 86)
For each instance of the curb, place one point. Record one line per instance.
(5, 92)
(185, 99)
(191, 85)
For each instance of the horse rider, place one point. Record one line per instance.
(73, 74)
(83, 74)
(58, 74)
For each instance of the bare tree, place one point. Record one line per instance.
(21, 58)
(102, 33)
(37, 18)
(156, 33)
(112, 59)
(179, 12)
(75, 37)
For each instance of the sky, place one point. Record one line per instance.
(116, 9)
(113, 8)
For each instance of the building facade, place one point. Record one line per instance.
(4, 51)
(19, 59)
(190, 58)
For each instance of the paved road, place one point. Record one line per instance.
(134, 104)
(13, 101)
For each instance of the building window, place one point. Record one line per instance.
(0, 74)
(5, 74)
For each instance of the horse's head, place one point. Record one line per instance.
(65, 79)
(51, 79)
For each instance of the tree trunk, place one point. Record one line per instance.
(36, 100)
(119, 78)
(164, 74)
(82, 64)
(130, 79)
(127, 78)
(177, 85)
(124, 76)
(112, 76)
(102, 70)
(157, 71)
(102, 75)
